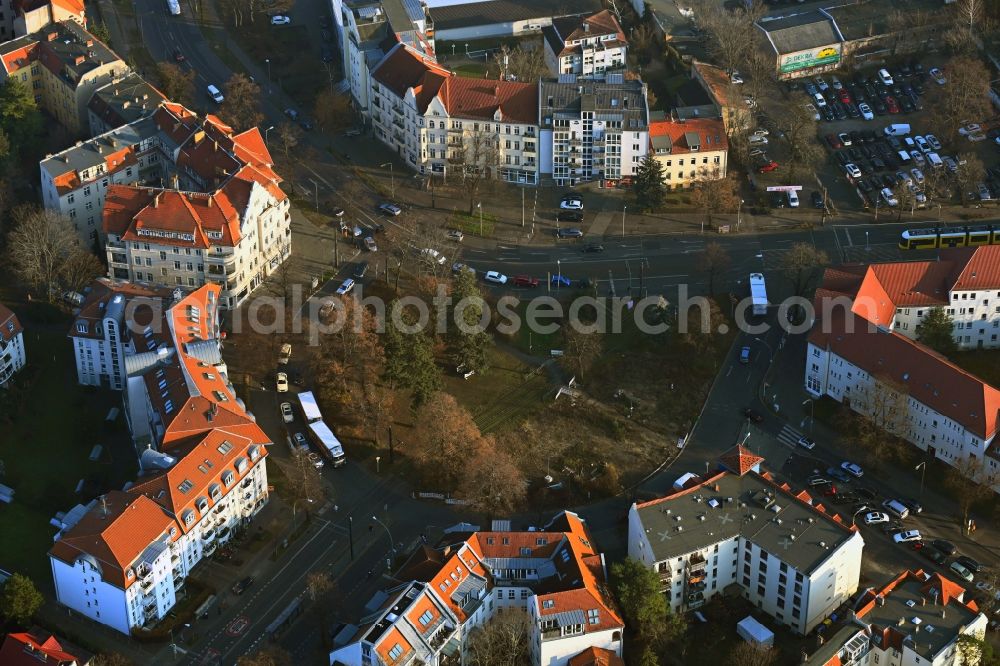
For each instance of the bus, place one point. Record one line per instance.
(327, 443)
(758, 293)
(310, 408)
(174, 7)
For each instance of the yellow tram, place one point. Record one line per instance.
(933, 238)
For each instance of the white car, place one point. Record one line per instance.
(885, 77)
(820, 100)
(918, 158)
(811, 110)
(922, 144)
(821, 84)
(286, 412)
(969, 128)
(316, 461)
(758, 140)
(495, 277)
(961, 571)
(918, 176)
(852, 468)
(390, 209)
(433, 255)
(933, 141)
(281, 20)
(866, 111)
(458, 267)
(806, 443)
(285, 354)
(835, 82)
(456, 235)
(908, 535)
(281, 383)
(345, 287)
(938, 76)
(571, 204)
(793, 199)
(760, 131)
(876, 517)
(891, 200)
(736, 78)
(852, 170)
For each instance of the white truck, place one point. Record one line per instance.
(174, 7)
(758, 294)
(321, 434)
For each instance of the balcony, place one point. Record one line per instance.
(147, 584)
(696, 564)
(208, 536)
(398, 122)
(209, 549)
(149, 612)
(114, 245)
(530, 133)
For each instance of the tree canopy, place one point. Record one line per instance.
(937, 331)
(20, 599)
(648, 186)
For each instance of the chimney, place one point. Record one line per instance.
(90, 42)
(79, 60)
(880, 600)
(586, 27)
(210, 201)
(52, 36)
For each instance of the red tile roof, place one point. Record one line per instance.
(20, 57)
(601, 23)
(102, 290)
(481, 98)
(976, 269)
(711, 134)
(404, 68)
(595, 656)
(10, 326)
(740, 460)
(171, 217)
(914, 283)
(31, 648)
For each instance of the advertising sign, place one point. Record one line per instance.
(824, 55)
(784, 188)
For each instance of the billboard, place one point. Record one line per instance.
(784, 188)
(824, 55)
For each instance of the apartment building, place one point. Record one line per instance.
(441, 123)
(726, 97)
(12, 357)
(586, 46)
(592, 130)
(122, 559)
(737, 528)
(38, 647)
(64, 64)
(858, 356)
(121, 102)
(689, 150)
(554, 574)
(23, 17)
(101, 332)
(914, 620)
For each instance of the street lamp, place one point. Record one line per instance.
(480, 207)
(392, 179)
(392, 544)
(868, 247)
(268, 62)
(265, 135)
(766, 344)
(739, 214)
(923, 469)
(558, 274)
(378, 464)
(624, 208)
(812, 413)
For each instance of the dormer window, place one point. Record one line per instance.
(81, 327)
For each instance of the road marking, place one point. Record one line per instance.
(847, 232)
(237, 626)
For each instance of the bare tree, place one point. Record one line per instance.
(882, 420)
(970, 171)
(732, 31)
(269, 656)
(799, 126)
(175, 83)
(751, 654)
(715, 194)
(493, 482)
(582, 348)
(801, 265)
(971, 481)
(304, 483)
(332, 111)
(318, 583)
(970, 19)
(521, 64)
(966, 96)
(39, 247)
(477, 160)
(503, 641)
(289, 134)
(80, 269)
(241, 105)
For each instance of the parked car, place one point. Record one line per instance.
(390, 209)
(572, 232)
(495, 277)
(767, 167)
(370, 244)
(838, 475)
(946, 547)
(433, 255)
(571, 204)
(852, 170)
(817, 480)
(240, 586)
(284, 354)
(456, 235)
(938, 76)
(345, 287)
(286, 412)
(569, 216)
(876, 517)
(593, 247)
(280, 20)
(744, 354)
(932, 554)
(525, 281)
(905, 536)
(885, 77)
(933, 141)
(458, 267)
(806, 443)
(281, 383)
(961, 571)
(300, 440)
(360, 269)
(969, 563)
(817, 200)
(560, 280)
(315, 460)
(866, 111)
(888, 197)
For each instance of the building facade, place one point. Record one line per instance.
(592, 130)
(739, 529)
(857, 354)
(914, 620)
(588, 46)
(12, 356)
(689, 150)
(123, 558)
(445, 124)
(20, 17)
(63, 64)
(554, 574)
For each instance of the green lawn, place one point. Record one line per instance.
(49, 426)
(502, 397)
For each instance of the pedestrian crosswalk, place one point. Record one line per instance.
(789, 436)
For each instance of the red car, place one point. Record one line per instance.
(891, 105)
(830, 490)
(834, 141)
(769, 166)
(525, 281)
(845, 96)
(178, 56)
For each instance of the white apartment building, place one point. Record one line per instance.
(737, 527)
(914, 620)
(689, 150)
(12, 357)
(856, 355)
(592, 130)
(439, 122)
(554, 574)
(586, 46)
(122, 559)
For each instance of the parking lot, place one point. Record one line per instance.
(864, 168)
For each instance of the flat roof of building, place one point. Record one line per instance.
(506, 11)
(92, 152)
(800, 31)
(752, 506)
(129, 98)
(866, 19)
(616, 98)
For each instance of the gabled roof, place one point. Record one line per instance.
(171, 217)
(739, 460)
(404, 68)
(595, 656)
(481, 98)
(10, 326)
(975, 269)
(565, 30)
(37, 646)
(679, 137)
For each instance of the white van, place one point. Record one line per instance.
(935, 160)
(793, 199)
(216, 95)
(896, 508)
(897, 129)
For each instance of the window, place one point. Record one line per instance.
(593, 616)
(426, 618)
(396, 651)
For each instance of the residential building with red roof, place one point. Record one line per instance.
(12, 356)
(861, 350)
(726, 97)
(737, 529)
(916, 618)
(122, 559)
(438, 121)
(37, 646)
(689, 150)
(218, 214)
(555, 574)
(586, 46)
(23, 17)
(64, 64)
